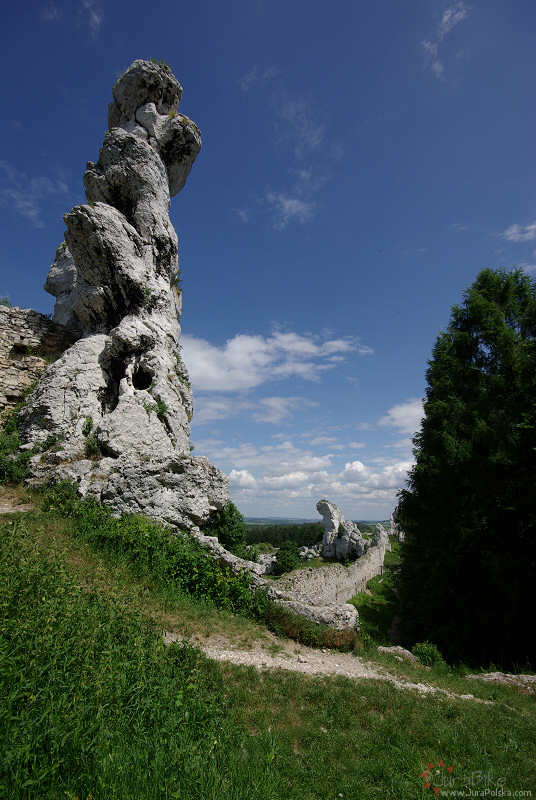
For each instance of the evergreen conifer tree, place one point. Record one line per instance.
(468, 575)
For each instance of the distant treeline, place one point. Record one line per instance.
(305, 535)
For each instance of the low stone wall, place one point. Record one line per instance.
(336, 583)
(28, 342)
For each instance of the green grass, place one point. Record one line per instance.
(378, 609)
(93, 705)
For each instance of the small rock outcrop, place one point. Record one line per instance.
(380, 537)
(399, 653)
(342, 538)
(119, 399)
(321, 593)
(396, 530)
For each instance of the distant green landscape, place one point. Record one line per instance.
(299, 521)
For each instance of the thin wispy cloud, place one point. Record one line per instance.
(518, 233)
(297, 124)
(326, 441)
(285, 208)
(300, 132)
(248, 361)
(247, 80)
(451, 17)
(273, 410)
(254, 75)
(50, 13)
(93, 15)
(432, 49)
(26, 195)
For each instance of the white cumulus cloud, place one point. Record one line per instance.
(242, 479)
(271, 479)
(392, 476)
(404, 416)
(247, 361)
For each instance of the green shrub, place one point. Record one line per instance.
(229, 526)
(61, 499)
(173, 560)
(13, 462)
(92, 446)
(427, 653)
(161, 409)
(288, 557)
(304, 534)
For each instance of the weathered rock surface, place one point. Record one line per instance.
(396, 530)
(526, 682)
(342, 538)
(337, 615)
(335, 583)
(307, 553)
(399, 652)
(380, 537)
(120, 399)
(268, 561)
(320, 594)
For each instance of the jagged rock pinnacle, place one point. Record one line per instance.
(119, 400)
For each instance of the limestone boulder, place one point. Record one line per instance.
(336, 615)
(380, 537)
(179, 490)
(342, 538)
(62, 283)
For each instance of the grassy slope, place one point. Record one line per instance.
(377, 609)
(94, 706)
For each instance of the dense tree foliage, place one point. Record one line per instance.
(229, 526)
(288, 557)
(468, 577)
(304, 534)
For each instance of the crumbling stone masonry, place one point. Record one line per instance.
(29, 341)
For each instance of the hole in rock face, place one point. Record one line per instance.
(142, 378)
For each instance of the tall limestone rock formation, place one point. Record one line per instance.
(119, 399)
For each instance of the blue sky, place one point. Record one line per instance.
(362, 161)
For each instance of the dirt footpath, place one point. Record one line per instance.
(310, 661)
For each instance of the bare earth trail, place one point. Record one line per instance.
(9, 504)
(309, 661)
